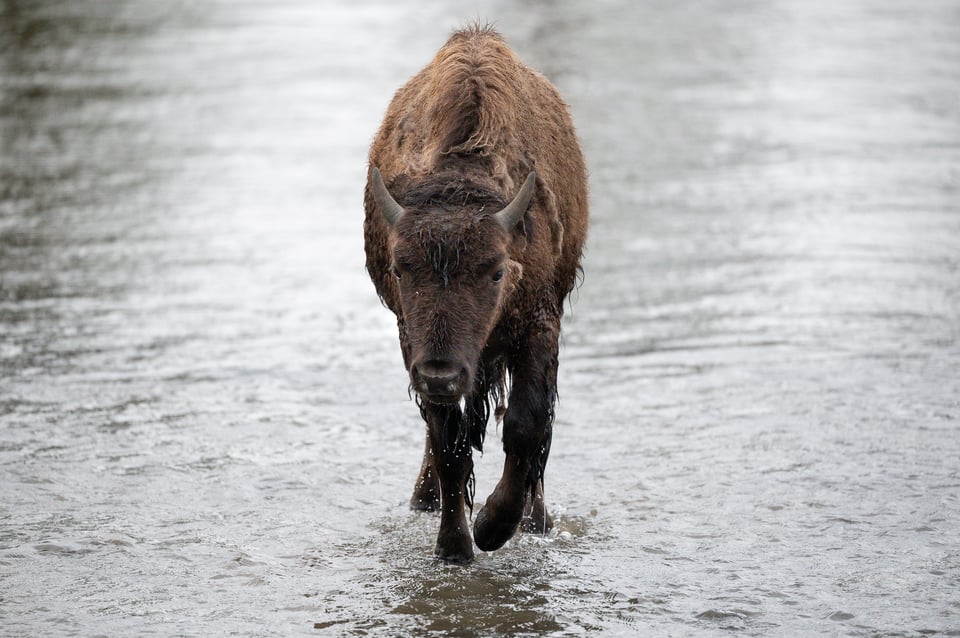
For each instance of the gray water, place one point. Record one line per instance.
(204, 420)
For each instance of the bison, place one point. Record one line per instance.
(476, 217)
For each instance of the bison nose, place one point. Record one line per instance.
(439, 381)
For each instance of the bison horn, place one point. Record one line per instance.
(514, 211)
(392, 211)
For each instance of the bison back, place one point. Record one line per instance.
(477, 108)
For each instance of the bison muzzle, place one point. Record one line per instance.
(476, 215)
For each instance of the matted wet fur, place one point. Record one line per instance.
(476, 269)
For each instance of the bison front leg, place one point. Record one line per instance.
(527, 429)
(452, 464)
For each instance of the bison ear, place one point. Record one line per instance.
(392, 211)
(510, 216)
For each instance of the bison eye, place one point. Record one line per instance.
(395, 271)
(497, 276)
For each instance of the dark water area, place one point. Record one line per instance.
(204, 420)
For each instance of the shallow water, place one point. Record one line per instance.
(204, 422)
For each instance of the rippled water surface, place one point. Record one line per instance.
(204, 420)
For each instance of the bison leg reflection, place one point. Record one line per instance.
(449, 447)
(527, 430)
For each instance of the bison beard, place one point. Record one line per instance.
(476, 215)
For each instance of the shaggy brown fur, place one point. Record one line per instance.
(475, 301)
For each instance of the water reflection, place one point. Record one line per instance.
(516, 591)
(451, 600)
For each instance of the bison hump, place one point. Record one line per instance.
(472, 94)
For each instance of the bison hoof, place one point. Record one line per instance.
(495, 525)
(537, 523)
(420, 504)
(426, 493)
(458, 552)
(536, 518)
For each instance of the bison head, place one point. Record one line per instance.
(453, 273)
